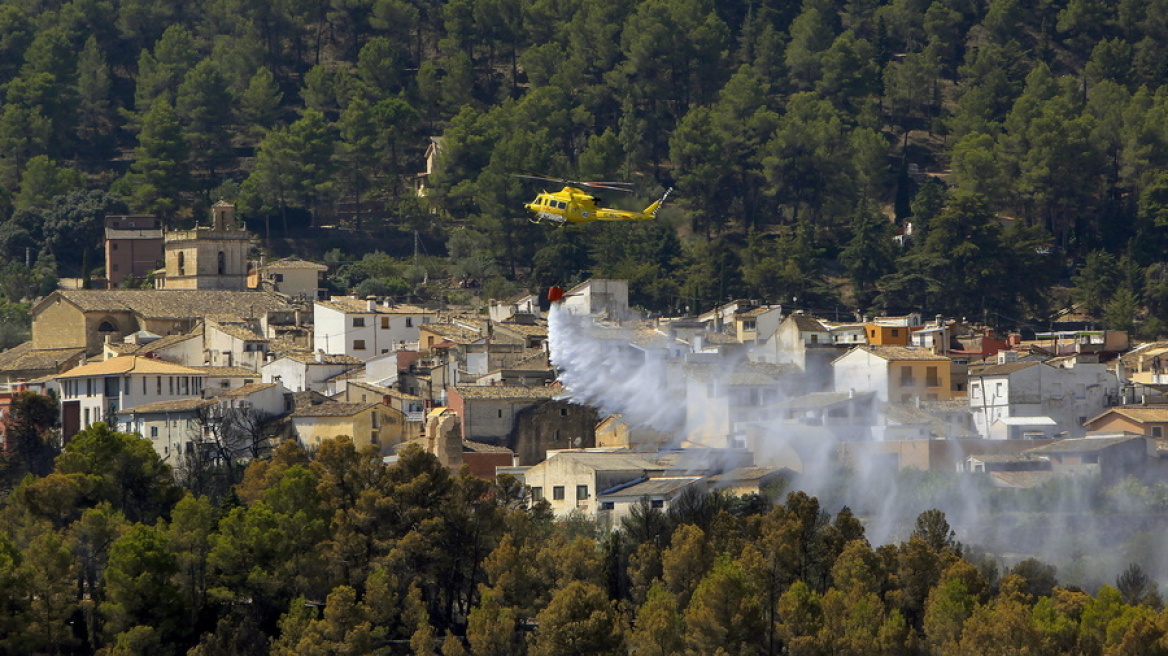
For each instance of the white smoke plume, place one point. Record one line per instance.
(1089, 532)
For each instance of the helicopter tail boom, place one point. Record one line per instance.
(656, 206)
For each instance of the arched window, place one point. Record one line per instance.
(222, 263)
(106, 327)
(182, 264)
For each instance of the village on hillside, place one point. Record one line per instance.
(226, 358)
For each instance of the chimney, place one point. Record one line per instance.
(371, 304)
(320, 356)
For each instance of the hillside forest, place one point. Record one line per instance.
(1016, 149)
(102, 551)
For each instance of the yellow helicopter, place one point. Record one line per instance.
(573, 205)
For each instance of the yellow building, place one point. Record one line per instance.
(365, 423)
(885, 335)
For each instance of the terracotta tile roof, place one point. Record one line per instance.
(507, 392)
(753, 312)
(529, 330)
(711, 337)
(227, 372)
(170, 303)
(246, 390)
(332, 409)
(454, 333)
(23, 357)
(181, 405)
(309, 358)
(1005, 369)
(807, 324)
(156, 345)
(1083, 444)
(482, 447)
(897, 353)
(125, 364)
(133, 233)
(237, 331)
(1143, 415)
(350, 305)
(295, 263)
(357, 373)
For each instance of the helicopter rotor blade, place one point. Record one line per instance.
(624, 187)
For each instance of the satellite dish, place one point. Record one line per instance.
(577, 442)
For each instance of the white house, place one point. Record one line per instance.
(1068, 396)
(571, 480)
(95, 392)
(520, 305)
(598, 296)
(365, 329)
(231, 344)
(300, 372)
(897, 374)
(802, 341)
(175, 427)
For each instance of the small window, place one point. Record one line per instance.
(500, 413)
(895, 332)
(409, 322)
(113, 246)
(115, 267)
(536, 493)
(557, 491)
(279, 277)
(563, 412)
(358, 322)
(556, 435)
(384, 323)
(358, 345)
(1157, 431)
(153, 432)
(657, 503)
(606, 505)
(581, 492)
(106, 327)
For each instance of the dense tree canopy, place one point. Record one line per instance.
(789, 130)
(339, 553)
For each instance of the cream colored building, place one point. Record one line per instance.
(571, 480)
(291, 276)
(365, 423)
(207, 258)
